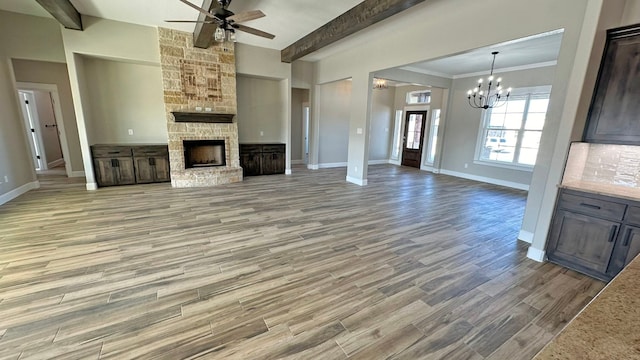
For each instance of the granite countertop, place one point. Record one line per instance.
(608, 328)
(624, 192)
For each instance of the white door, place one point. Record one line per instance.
(32, 126)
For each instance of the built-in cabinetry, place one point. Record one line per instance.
(614, 114)
(594, 234)
(262, 159)
(130, 164)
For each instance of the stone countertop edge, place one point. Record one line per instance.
(608, 328)
(623, 192)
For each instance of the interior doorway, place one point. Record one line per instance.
(414, 129)
(42, 114)
(306, 117)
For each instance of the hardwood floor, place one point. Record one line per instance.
(412, 266)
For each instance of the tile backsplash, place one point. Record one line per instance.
(604, 163)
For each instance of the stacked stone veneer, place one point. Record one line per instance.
(199, 78)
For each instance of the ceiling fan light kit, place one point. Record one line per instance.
(488, 98)
(227, 21)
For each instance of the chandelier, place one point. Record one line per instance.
(380, 84)
(492, 96)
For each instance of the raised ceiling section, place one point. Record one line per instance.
(358, 18)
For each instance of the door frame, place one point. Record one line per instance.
(57, 110)
(403, 122)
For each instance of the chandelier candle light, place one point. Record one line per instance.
(491, 97)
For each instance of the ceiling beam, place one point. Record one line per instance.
(203, 33)
(64, 12)
(359, 17)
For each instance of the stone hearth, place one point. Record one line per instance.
(206, 79)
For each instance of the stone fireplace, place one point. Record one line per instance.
(200, 102)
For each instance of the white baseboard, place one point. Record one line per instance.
(499, 182)
(77, 174)
(287, 171)
(536, 254)
(361, 182)
(55, 163)
(313, 166)
(297, 162)
(395, 162)
(92, 186)
(525, 236)
(5, 198)
(378, 162)
(332, 165)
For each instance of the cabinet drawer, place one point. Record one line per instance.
(150, 150)
(110, 151)
(594, 207)
(633, 215)
(250, 149)
(275, 148)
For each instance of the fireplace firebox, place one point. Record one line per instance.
(204, 153)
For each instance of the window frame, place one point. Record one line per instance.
(485, 118)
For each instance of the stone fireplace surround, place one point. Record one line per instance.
(196, 79)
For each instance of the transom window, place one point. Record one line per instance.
(510, 134)
(419, 97)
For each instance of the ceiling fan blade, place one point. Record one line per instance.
(253, 31)
(246, 16)
(190, 21)
(199, 8)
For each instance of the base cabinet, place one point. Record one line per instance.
(595, 235)
(130, 164)
(262, 159)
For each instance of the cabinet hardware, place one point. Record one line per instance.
(612, 233)
(596, 207)
(627, 238)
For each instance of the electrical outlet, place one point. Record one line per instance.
(356, 169)
(208, 109)
(261, 133)
(6, 178)
(466, 165)
(130, 131)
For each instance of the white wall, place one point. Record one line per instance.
(382, 120)
(49, 133)
(334, 112)
(298, 98)
(260, 110)
(39, 39)
(46, 72)
(124, 96)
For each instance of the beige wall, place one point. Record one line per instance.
(298, 98)
(334, 111)
(260, 110)
(39, 40)
(382, 119)
(46, 72)
(124, 96)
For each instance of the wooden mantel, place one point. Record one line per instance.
(202, 117)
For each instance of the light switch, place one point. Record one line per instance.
(130, 131)
(261, 133)
(359, 131)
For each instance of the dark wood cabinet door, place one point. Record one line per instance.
(250, 164)
(104, 171)
(144, 170)
(613, 116)
(582, 243)
(161, 169)
(125, 171)
(627, 248)
(272, 163)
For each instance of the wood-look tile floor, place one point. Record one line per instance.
(308, 266)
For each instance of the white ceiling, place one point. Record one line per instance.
(289, 20)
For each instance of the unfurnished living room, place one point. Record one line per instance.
(264, 179)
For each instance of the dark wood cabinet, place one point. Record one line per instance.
(614, 115)
(262, 159)
(593, 234)
(130, 164)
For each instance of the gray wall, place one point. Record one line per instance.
(334, 111)
(463, 124)
(260, 109)
(46, 72)
(124, 96)
(298, 97)
(382, 119)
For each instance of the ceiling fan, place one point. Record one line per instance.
(227, 21)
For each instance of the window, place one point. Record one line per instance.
(433, 136)
(419, 97)
(510, 134)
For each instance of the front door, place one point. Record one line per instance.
(413, 135)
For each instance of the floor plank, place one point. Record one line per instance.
(412, 266)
